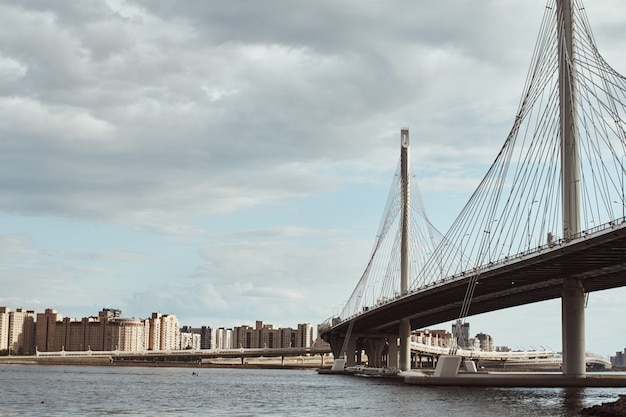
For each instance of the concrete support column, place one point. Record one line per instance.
(351, 352)
(336, 343)
(573, 327)
(379, 349)
(405, 345)
(375, 348)
(392, 359)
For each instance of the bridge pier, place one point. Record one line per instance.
(374, 348)
(392, 356)
(335, 343)
(351, 351)
(573, 293)
(405, 345)
(573, 327)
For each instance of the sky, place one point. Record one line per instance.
(229, 162)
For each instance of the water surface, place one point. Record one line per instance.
(51, 391)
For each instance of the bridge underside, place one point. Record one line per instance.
(598, 261)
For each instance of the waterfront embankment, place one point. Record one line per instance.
(296, 362)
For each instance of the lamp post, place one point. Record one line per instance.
(463, 251)
(621, 181)
(487, 252)
(530, 208)
(622, 184)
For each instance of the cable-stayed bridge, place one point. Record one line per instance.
(547, 220)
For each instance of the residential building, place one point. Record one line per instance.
(266, 336)
(269, 337)
(305, 335)
(170, 332)
(4, 328)
(245, 337)
(223, 338)
(439, 338)
(154, 334)
(485, 342)
(189, 340)
(164, 332)
(207, 336)
(618, 361)
(46, 338)
(461, 331)
(127, 334)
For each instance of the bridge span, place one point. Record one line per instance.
(556, 179)
(596, 257)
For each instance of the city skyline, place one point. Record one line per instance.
(26, 332)
(225, 162)
(121, 314)
(467, 335)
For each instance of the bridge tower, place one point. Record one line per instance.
(573, 294)
(405, 324)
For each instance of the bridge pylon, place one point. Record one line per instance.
(573, 293)
(404, 332)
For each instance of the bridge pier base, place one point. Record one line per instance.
(343, 358)
(573, 327)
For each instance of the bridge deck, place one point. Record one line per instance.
(598, 260)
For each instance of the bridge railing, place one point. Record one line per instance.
(480, 354)
(620, 222)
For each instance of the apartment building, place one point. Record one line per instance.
(266, 336)
(4, 328)
(127, 334)
(223, 338)
(485, 342)
(245, 337)
(189, 340)
(304, 335)
(205, 333)
(46, 337)
(439, 338)
(107, 331)
(170, 332)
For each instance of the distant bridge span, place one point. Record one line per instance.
(596, 257)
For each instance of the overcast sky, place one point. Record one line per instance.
(229, 161)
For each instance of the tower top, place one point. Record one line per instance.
(404, 137)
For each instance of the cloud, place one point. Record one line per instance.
(237, 150)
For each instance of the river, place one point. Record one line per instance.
(51, 391)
